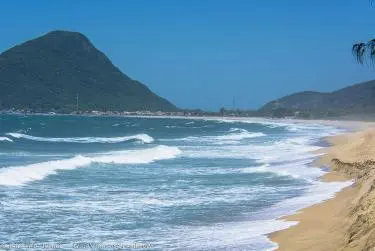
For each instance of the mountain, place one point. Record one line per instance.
(49, 72)
(358, 99)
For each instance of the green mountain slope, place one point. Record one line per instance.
(48, 72)
(353, 100)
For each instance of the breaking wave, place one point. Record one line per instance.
(5, 139)
(145, 138)
(239, 134)
(232, 137)
(20, 175)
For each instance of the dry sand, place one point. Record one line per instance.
(346, 222)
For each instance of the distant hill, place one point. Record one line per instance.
(358, 99)
(47, 73)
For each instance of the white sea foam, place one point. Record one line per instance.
(239, 134)
(317, 192)
(296, 169)
(5, 139)
(140, 137)
(314, 194)
(233, 136)
(290, 125)
(245, 235)
(278, 151)
(274, 170)
(20, 175)
(143, 156)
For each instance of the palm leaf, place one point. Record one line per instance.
(371, 47)
(358, 51)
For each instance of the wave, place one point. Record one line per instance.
(236, 235)
(5, 139)
(145, 138)
(283, 150)
(233, 136)
(289, 125)
(316, 193)
(297, 170)
(266, 169)
(20, 175)
(239, 134)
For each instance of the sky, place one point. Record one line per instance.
(202, 54)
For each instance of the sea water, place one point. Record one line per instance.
(165, 183)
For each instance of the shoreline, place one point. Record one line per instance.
(343, 222)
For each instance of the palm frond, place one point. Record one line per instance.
(358, 51)
(372, 51)
(364, 52)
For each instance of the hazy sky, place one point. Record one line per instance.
(202, 53)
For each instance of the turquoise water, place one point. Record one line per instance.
(172, 184)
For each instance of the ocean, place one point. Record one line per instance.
(164, 183)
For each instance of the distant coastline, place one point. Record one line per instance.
(350, 121)
(182, 113)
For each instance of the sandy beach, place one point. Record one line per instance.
(346, 222)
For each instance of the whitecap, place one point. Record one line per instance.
(20, 175)
(233, 136)
(239, 134)
(296, 169)
(5, 139)
(290, 149)
(145, 138)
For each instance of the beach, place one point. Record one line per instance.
(347, 221)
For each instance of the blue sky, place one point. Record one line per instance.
(199, 54)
